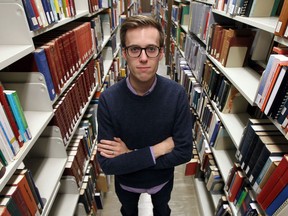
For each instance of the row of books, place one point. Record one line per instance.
(225, 95)
(201, 18)
(59, 56)
(42, 13)
(272, 92)
(21, 196)
(250, 8)
(68, 108)
(180, 13)
(95, 5)
(210, 172)
(228, 45)
(195, 54)
(14, 129)
(261, 150)
(240, 193)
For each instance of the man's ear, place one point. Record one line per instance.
(124, 55)
(161, 55)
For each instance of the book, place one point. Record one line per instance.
(34, 188)
(7, 155)
(249, 140)
(4, 211)
(41, 11)
(48, 11)
(276, 9)
(268, 150)
(261, 45)
(10, 137)
(15, 193)
(11, 205)
(267, 77)
(267, 170)
(191, 167)
(274, 178)
(282, 210)
(261, 143)
(275, 81)
(18, 113)
(22, 182)
(282, 20)
(235, 185)
(235, 102)
(279, 186)
(278, 95)
(284, 112)
(50, 53)
(2, 168)
(9, 114)
(278, 201)
(235, 48)
(260, 10)
(30, 15)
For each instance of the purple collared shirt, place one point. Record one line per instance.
(157, 188)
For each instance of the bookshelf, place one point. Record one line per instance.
(45, 154)
(245, 79)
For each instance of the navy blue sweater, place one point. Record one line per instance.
(141, 122)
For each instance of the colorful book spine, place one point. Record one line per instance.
(13, 106)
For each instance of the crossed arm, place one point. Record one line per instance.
(116, 147)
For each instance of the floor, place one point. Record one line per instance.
(183, 199)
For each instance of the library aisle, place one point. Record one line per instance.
(183, 199)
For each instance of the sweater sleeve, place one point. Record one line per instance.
(126, 163)
(182, 136)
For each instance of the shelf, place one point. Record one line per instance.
(67, 198)
(47, 173)
(224, 159)
(63, 21)
(207, 201)
(21, 44)
(265, 23)
(243, 78)
(37, 121)
(234, 124)
(47, 160)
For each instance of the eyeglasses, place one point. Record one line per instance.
(135, 51)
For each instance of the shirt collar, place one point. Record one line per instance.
(133, 90)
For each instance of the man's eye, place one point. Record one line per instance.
(151, 49)
(134, 49)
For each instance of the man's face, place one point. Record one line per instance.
(142, 68)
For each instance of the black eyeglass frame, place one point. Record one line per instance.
(126, 49)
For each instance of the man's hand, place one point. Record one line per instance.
(112, 148)
(164, 147)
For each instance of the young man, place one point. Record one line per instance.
(144, 122)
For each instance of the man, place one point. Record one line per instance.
(144, 122)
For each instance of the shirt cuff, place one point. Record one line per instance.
(152, 155)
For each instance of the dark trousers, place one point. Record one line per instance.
(130, 200)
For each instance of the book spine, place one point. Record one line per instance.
(22, 115)
(16, 114)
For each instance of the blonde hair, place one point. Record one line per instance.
(137, 21)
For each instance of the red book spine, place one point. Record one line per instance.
(10, 117)
(63, 57)
(236, 185)
(275, 191)
(61, 65)
(274, 178)
(52, 67)
(37, 15)
(75, 53)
